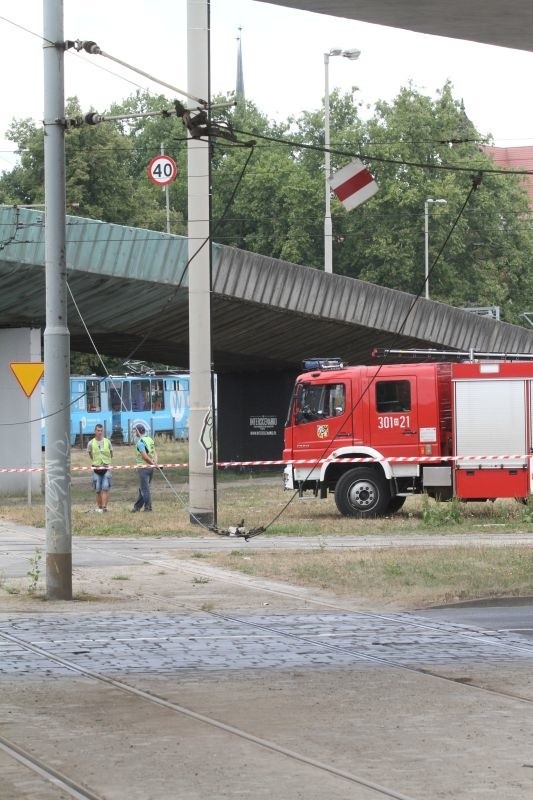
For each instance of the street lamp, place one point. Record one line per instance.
(427, 203)
(353, 55)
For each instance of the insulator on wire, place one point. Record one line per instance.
(93, 118)
(92, 48)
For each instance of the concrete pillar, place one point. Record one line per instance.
(202, 435)
(21, 439)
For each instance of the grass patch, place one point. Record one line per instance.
(405, 577)
(258, 500)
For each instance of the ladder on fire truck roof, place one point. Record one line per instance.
(435, 355)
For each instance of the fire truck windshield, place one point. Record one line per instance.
(315, 401)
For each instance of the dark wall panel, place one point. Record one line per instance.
(252, 408)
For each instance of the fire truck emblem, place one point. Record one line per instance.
(322, 431)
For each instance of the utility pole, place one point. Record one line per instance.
(56, 334)
(202, 444)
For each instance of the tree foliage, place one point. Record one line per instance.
(268, 197)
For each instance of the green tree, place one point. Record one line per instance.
(486, 258)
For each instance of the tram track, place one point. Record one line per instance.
(47, 772)
(387, 662)
(78, 791)
(487, 639)
(155, 699)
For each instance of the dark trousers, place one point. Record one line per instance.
(145, 495)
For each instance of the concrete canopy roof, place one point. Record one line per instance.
(508, 23)
(130, 286)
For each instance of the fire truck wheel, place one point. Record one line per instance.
(362, 492)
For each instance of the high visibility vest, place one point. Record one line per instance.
(150, 449)
(101, 452)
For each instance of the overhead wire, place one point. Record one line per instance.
(202, 245)
(93, 48)
(368, 157)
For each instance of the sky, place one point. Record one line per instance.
(283, 61)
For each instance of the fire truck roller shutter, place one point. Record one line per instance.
(363, 492)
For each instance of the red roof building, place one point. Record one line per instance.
(515, 158)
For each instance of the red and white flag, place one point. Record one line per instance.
(353, 184)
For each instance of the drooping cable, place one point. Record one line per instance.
(476, 181)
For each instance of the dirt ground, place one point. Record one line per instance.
(172, 583)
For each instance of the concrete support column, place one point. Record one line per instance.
(202, 449)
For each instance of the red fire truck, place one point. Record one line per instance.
(373, 435)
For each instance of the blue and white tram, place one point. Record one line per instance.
(159, 402)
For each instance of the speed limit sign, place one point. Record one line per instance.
(162, 170)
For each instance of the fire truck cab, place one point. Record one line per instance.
(373, 435)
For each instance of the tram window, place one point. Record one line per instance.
(140, 396)
(114, 399)
(77, 394)
(93, 396)
(126, 396)
(170, 385)
(158, 396)
(119, 396)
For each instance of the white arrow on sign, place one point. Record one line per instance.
(162, 170)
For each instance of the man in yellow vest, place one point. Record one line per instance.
(146, 456)
(100, 452)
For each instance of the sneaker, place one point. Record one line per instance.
(104, 509)
(134, 510)
(147, 509)
(99, 510)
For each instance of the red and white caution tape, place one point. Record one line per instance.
(300, 462)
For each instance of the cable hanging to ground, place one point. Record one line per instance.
(240, 529)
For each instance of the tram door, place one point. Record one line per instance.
(119, 401)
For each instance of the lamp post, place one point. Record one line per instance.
(353, 55)
(428, 202)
